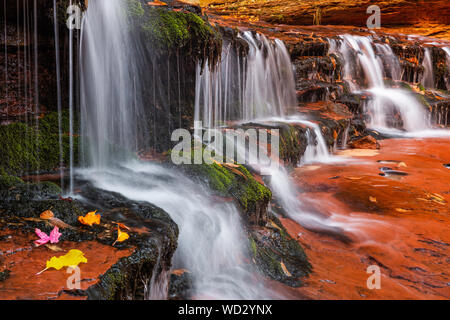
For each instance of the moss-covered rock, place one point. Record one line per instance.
(237, 182)
(29, 148)
(167, 31)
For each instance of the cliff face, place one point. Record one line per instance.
(417, 13)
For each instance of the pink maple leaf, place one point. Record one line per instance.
(44, 238)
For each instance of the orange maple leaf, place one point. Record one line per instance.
(90, 218)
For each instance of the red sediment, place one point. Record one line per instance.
(399, 223)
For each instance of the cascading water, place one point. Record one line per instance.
(447, 52)
(363, 64)
(212, 242)
(263, 86)
(110, 59)
(428, 75)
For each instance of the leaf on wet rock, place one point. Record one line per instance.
(50, 217)
(47, 215)
(121, 236)
(53, 247)
(73, 258)
(90, 218)
(401, 164)
(285, 270)
(122, 225)
(354, 178)
(402, 210)
(44, 238)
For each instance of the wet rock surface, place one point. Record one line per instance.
(122, 271)
(277, 255)
(400, 225)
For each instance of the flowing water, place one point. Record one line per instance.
(428, 75)
(58, 93)
(447, 52)
(262, 86)
(212, 243)
(366, 65)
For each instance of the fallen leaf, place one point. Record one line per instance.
(402, 210)
(122, 225)
(372, 199)
(53, 247)
(44, 238)
(59, 223)
(72, 258)
(285, 270)
(46, 215)
(229, 164)
(274, 225)
(90, 218)
(50, 216)
(401, 164)
(121, 236)
(354, 178)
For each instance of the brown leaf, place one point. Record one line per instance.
(59, 223)
(47, 214)
(285, 270)
(53, 247)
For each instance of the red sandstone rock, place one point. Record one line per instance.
(367, 142)
(410, 245)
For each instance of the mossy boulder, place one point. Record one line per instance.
(230, 180)
(27, 148)
(168, 31)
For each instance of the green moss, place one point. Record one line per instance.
(26, 148)
(238, 183)
(7, 181)
(166, 30)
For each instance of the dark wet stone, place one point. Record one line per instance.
(272, 246)
(4, 275)
(180, 286)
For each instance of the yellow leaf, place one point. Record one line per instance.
(121, 236)
(285, 270)
(90, 218)
(372, 199)
(72, 258)
(401, 164)
(402, 210)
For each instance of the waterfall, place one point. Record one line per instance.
(212, 241)
(262, 86)
(428, 75)
(364, 71)
(447, 53)
(110, 60)
(58, 91)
